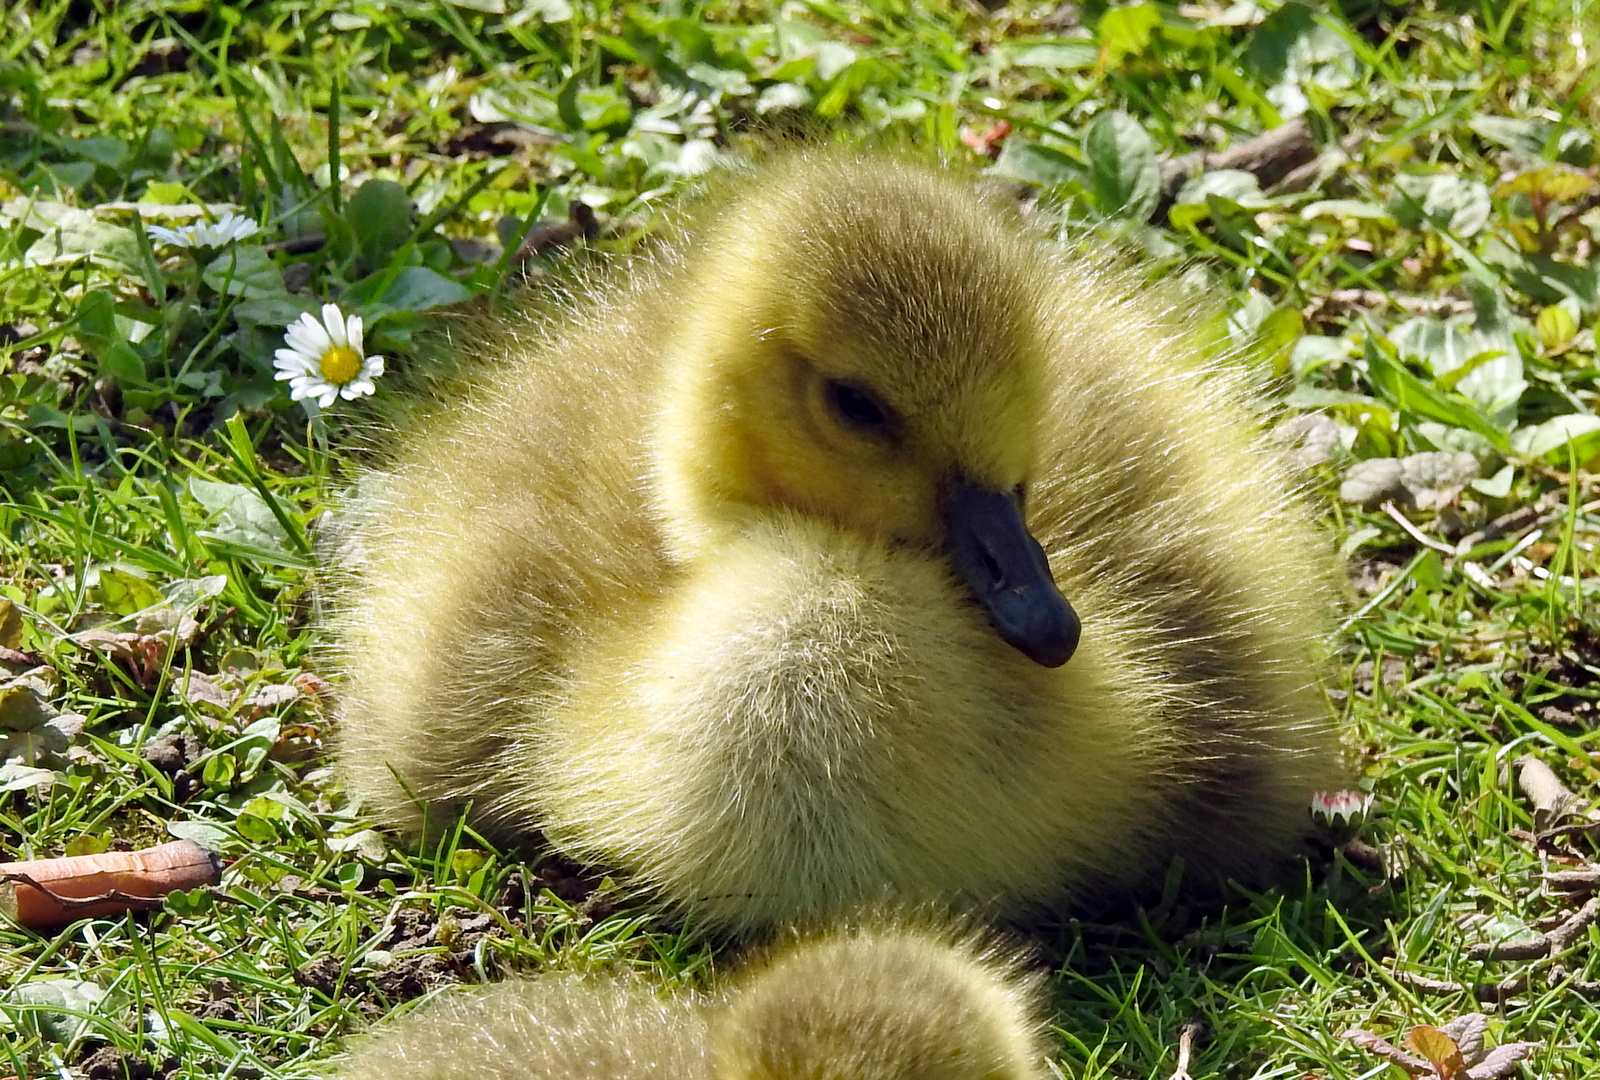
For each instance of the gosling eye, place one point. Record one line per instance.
(858, 409)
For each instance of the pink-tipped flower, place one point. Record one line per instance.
(1340, 814)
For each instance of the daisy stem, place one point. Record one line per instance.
(179, 318)
(334, 190)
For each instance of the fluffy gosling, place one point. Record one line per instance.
(868, 1005)
(759, 573)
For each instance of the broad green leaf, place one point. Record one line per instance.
(367, 844)
(244, 270)
(1035, 164)
(122, 362)
(1497, 486)
(1124, 176)
(1294, 47)
(1238, 185)
(97, 317)
(722, 80)
(468, 861)
(17, 776)
(1458, 204)
(1522, 136)
(416, 288)
(1557, 183)
(60, 1010)
(273, 311)
(1126, 31)
(161, 197)
(1557, 325)
(105, 150)
(380, 217)
(1313, 351)
(207, 834)
(241, 517)
(122, 591)
(1465, 360)
(70, 234)
(1410, 394)
(1549, 440)
(1274, 40)
(185, 594)
(255, 829)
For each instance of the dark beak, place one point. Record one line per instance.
(1006, 570)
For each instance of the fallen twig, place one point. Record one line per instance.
(1573, 881)
(1270, 156)
(1547, 944)
(1187, 1034)
(1549, 796)
(44, 893)
(1415, 533)
(1497, 992)
(1560, 976)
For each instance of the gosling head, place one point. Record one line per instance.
(880, 1006)
(861, 342)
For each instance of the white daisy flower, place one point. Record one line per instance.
(324, 359)
(204, 234)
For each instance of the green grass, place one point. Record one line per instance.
(1432, 287)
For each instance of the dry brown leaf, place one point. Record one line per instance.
(10, 625)
(1388, 1051)
(1451, 1052)
(1439, 1049)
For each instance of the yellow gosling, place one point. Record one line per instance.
(759, 574)
(855, 1005)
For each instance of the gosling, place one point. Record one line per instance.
(888, 1004)
(850, 547)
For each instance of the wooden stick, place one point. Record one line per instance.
(44, 893)
(1549, 796)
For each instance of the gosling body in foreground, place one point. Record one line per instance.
(759, 573)
(877, 1005)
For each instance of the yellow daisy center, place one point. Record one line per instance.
(340, 364)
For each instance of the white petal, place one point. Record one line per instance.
(328, 398)
(291, 360)
(357, 388)
(235, 227)
(372, 366)
(333, 319)
(308, 337)
(353, 328)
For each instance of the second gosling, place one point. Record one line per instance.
(880, 1004)
(759, 574)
